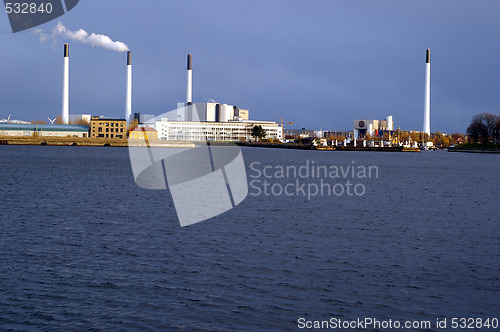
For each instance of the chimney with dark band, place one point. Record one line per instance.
(189, 92)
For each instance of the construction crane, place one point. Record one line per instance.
(284, 123)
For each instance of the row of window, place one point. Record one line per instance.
(109, 136)
(107, 124)
(108, 130)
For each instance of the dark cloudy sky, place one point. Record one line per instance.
(319, 64)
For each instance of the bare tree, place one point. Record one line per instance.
(482, 127)
(59, 120)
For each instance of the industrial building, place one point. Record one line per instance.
(213, 112)
(338, 133)
(142, 118)
(43, 130)
(207, 121)
(372, 127)
(101, 127)
(302, 133)
(214, 131)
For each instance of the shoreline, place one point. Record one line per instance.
(472, 150)
(329, 148)
(86, 141)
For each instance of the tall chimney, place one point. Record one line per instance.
(65, 101)
(128, 105)
(189, 93)
(427, 105)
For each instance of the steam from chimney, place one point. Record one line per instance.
(83, 36)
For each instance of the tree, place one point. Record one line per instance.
(59, 120)
(441, 139)
(404, 136)
(258, 132)
(133, 125)
(483, 127)
(456, 138)
(80, 122)
(475, 131)
(415, 136)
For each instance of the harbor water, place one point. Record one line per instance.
(84, 248)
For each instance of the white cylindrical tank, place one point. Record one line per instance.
(226, 113)
(390, 124)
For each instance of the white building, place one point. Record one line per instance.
(214, 131)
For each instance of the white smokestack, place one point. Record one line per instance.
(427, 107)
(189, 93)
(128, 107)
(65, 101)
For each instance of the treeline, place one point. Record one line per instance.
(59, 120)
(484, 128)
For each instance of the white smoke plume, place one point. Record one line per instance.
(83, 36)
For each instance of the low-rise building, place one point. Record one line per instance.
(43, 130)
(302, 133)
(108, 128)
(143, 133)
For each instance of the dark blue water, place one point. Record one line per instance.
(83, 248)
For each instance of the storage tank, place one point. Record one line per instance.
(226, 113)
(390, 124)
(370, 129)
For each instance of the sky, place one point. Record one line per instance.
(320, 64)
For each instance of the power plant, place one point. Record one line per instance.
(206, 121)
(220, 121)
(65, 99)
(427, 105)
